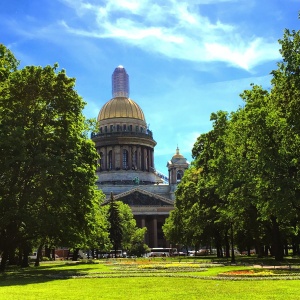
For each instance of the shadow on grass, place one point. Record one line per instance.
(48, 272)
(15, 275)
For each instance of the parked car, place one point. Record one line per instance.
(200, 252)
(179, 253)
(33, 255)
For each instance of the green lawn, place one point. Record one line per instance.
(144, 279)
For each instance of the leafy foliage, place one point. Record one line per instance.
(132, 237)
(248, 166)
(115, 225)
(47, 187)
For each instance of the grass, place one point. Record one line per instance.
(149, 279)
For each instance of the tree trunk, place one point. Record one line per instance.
(218, 244)
(266, 250)
(232, 244)
(286, 250)
(20, 256)
(38, 256)
(75, 254)
(277, 246)
(25, 262)
(259, 248)
(295, 249)
(53, 253)
(227, 246)
(3, 261)
(248, 251)
(47, 252)
(12, 258)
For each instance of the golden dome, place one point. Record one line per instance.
(121, 107)
(177, 155)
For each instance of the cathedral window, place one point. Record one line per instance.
(179, 175)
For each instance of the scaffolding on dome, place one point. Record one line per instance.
(120, 82)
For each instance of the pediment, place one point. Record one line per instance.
(139, 197)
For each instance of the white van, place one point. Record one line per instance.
(33, 255)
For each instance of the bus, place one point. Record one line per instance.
(162, 252)
(111, 254)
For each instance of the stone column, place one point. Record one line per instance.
(134, 157)
(145, 159)
(152, 154)
(151, 159)
(140, 158)
(143, 224)
(113, 159)
(104, 161)
(154, 224)
(136, 149)
(148, 159)
(130, 157)
(121, 157)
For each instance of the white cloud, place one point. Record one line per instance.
(172, 28)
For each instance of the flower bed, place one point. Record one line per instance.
(262, 273)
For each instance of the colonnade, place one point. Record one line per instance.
(126, 157)
(154, 236)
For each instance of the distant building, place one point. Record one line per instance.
(126, 165)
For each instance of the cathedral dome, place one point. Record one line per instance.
(121, 107)
(177, 158)
(177, 155)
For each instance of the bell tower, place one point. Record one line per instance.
(176, 167)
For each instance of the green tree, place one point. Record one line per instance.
(249, 167)
(99, 239)
(132, 240)
(115, 224)
(184, 226)
(210, 156)
(137, 246)
(263, 142)
(8, 63)
(47, 189)
(174, 228)
(133, 237)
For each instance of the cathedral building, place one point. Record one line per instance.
(126, 164)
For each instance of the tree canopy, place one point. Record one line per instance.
(247, 188)
(47, 188)
(124, 233)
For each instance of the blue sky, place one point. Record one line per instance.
(185, 59)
